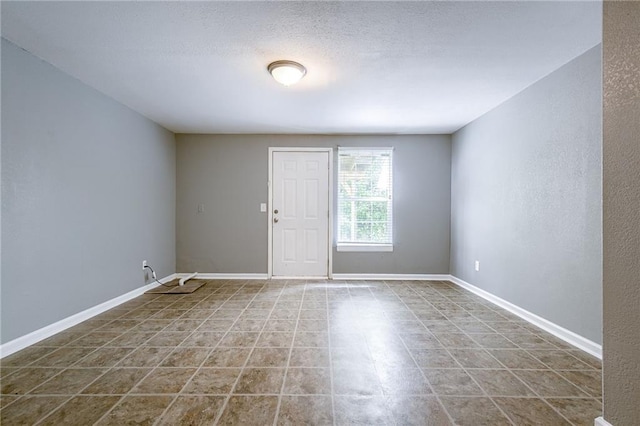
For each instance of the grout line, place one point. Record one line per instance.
(508, 369)
(152, 369)
(467, 372)
(229, 395)
(209, 352)
(330, 357)
(286, 370)
(424, 376)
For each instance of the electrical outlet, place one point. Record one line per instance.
(477, 265)
(144, 264)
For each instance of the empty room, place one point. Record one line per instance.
(322, 213)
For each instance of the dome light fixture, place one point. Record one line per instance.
(286, 72)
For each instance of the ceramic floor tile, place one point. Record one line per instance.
(500, 383)
(164, 380)
(69, 382)
(576, 410)
(280, 325)
(451, 382)
(63, 357)
(26, 356)
(168, 338)
(260, 381)
(7, 400)
(517, 358)
(104, 357)
(467, 411)
(248, 324)
(548, 384)
(275, 339)
(145, 357)
(474, 358)
(309, 357)
(586, 358)
(130, 339)
(204, 339)
(249, 410)
(29, 409)
(212, 381)
(269, 357)
(363, 410)
(116, 381)
(434, 358)
(529, 341)
(311, 339)
(138, 410)
(530, 411)
(23, 380)
(186, 357)
(493, 341)
(81, 410)
(305, 410)
(403, 381)
(307, 314)
(357, 380)
(193, 410)
(216, 325)
(307, 381)
(589, 381)
(559, 360)
(68, 336)
(451, 340)
(392, 356)
(227, 357)
(418, 411)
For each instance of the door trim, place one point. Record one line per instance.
(270, 206)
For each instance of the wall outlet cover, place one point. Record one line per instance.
(477, 265)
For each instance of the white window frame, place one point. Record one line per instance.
(356, 246)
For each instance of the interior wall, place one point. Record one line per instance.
(526, 198)
(227, 174)
(621, 210)
(88, 193)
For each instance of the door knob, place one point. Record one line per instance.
(275, 220)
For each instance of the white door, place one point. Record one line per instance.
(300, 213)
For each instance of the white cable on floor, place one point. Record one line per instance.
(185, 279)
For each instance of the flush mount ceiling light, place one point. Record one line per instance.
(287, 72)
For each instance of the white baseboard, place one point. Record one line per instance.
(601, 422)
(393, 277)
(548, 326)
(225, 276)
(35, 336)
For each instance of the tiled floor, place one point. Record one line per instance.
(267, 352)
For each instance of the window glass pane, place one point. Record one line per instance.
(363, 232)
(365, 195)
(363, 210)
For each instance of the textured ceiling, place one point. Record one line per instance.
(373, 67)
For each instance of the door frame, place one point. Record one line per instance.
(270, 206)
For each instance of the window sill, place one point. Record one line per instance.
(365, 247)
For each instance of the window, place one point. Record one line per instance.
(365, 201)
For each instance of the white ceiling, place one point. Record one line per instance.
(373, 67)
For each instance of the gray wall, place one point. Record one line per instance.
(88, 192)
(621, 211)
(228, 175)
(526, 198)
